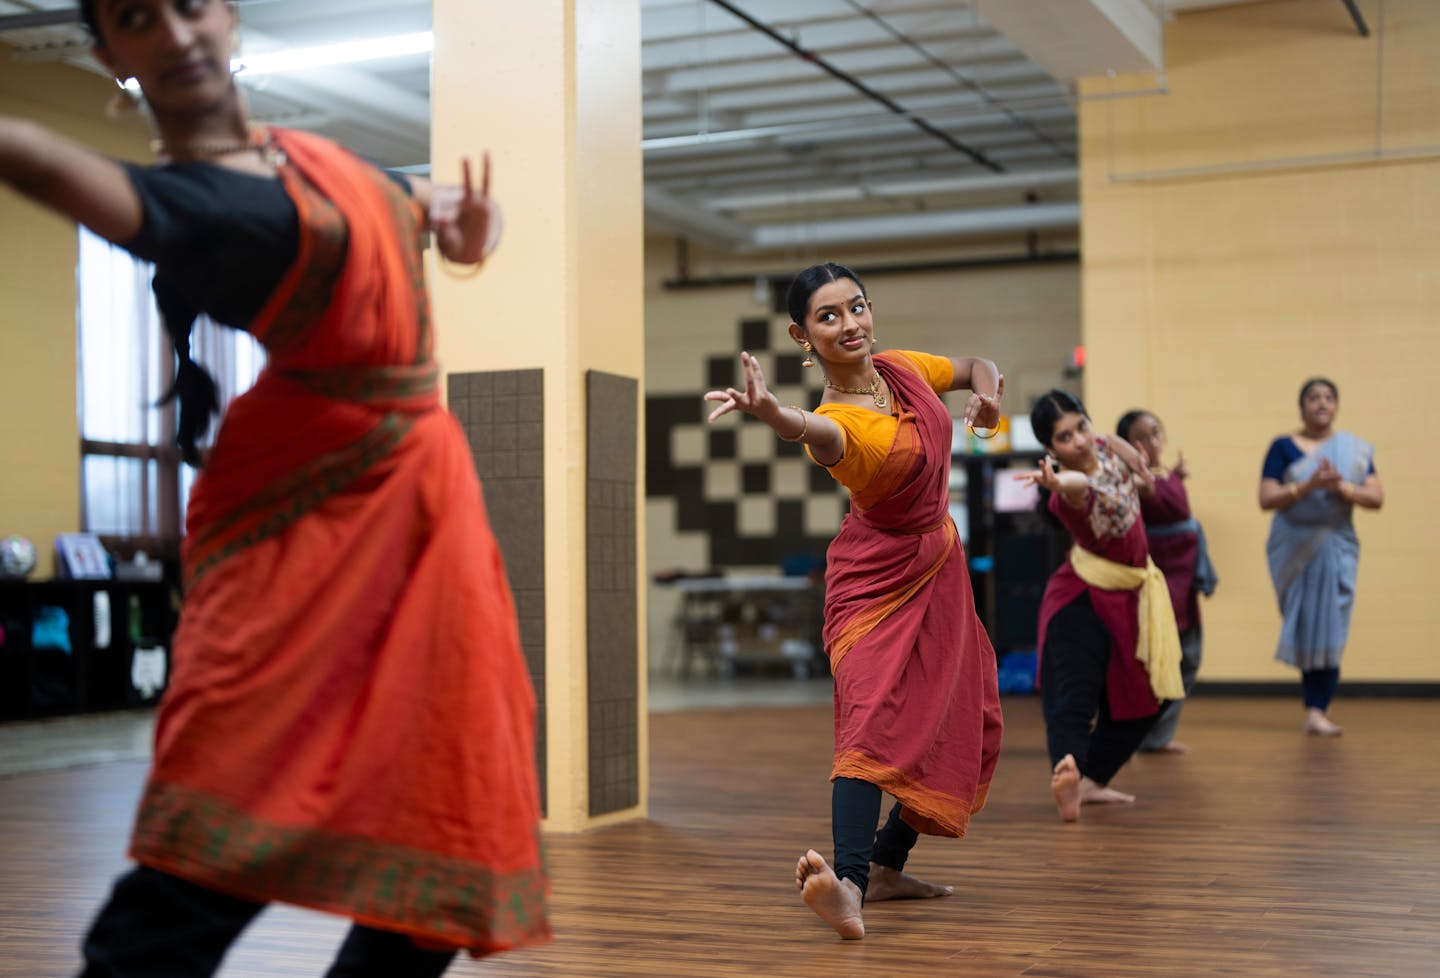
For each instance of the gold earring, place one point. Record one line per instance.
(123, 102)
(807, 362)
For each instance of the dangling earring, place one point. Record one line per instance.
(807, 362)
(122, 102)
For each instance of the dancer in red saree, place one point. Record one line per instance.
(349, 725)
(917, 712)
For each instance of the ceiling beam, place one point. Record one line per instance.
(910, 227)
(857, 84)
(894, 188)
(1358, 17)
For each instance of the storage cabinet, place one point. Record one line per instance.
(86, 654)
(1012, 553)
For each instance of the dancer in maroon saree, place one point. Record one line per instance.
(1109, 649)
(917, 712)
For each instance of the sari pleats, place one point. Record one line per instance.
(350, 723)
(917, 710)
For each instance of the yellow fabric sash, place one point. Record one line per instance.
(1157, 646)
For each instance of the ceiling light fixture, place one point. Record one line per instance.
(326, 55)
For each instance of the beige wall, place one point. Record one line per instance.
(1026, 318)
(39, 430)
(562, 294)
(1209, 297)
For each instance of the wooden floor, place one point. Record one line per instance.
(1264, 853)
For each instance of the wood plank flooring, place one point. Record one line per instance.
(1264, 853)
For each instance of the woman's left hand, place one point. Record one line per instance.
(1143, 474)
(983, 410)
(467, 223)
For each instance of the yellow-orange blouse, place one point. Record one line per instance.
(868, 433)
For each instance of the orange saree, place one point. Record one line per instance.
(917, 711)
(350, 722)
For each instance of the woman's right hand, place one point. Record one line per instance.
(1325, 477)
(755, 399)
(1045, 475)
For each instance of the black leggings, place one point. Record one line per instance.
(854, 810)
(159, 926)
(1319, 686)
(1072, 687)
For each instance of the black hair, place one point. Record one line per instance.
(797, 300)
(1313, 381)
(193, 389)
(1128, 419)
(90, 19)
(1053, 404)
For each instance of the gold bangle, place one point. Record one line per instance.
(452, 268)
(804, 424)
(993, 432)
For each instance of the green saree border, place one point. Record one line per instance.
(275, 507)
(207, 840)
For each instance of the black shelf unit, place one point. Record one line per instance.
(1012, 555)
(52, 682)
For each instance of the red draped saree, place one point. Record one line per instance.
(350, 723)
(917, 711)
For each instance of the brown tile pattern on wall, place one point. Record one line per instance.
(502, 413)
(612, 411)
(734, 473)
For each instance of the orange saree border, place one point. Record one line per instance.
(925, 809)
(425, 894)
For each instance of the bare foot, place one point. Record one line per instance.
(1065, 786)
(1092, 793)
(1319, 725)
(892, 884)
(835, 901)
(1169, 747)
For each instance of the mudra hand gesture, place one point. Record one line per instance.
(755, 399)
(983, 410)
(1325, 477)
(467, 224)
(1046, 475)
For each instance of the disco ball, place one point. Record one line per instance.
(17, 556)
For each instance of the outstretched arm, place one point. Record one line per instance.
(69, 179)
(1073, 487)
(984, 379)
(466, 221)
(824, 437)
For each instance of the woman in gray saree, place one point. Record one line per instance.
(1313, 480)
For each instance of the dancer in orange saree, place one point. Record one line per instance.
(349, 725)
(917, 712)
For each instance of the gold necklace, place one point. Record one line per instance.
(259, 140)
(873, 390)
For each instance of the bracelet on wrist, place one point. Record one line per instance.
(804, 425)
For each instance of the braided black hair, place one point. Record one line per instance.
(193, 389)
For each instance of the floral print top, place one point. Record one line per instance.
(1115, 503)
